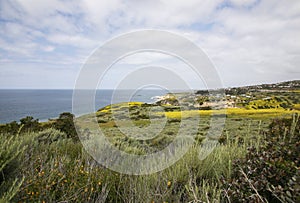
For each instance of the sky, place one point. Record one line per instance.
(44, 44)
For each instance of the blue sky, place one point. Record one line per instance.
(44, 44)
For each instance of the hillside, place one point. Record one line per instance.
(284, 95)
(255, 154)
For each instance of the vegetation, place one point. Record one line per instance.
(256, 158)
(271, 173)
(11, 150)
(51, 166)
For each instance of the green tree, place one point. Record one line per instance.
(30, 124)
(65, 123)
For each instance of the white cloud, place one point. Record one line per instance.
(243, 2)
(248, 40)
(49, 48)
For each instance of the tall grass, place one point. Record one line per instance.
(11, 150)
(61, 171)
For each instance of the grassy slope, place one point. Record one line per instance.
(62, 171)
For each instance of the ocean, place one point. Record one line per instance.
(46, 104)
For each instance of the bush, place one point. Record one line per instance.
(65, 124)
(50, 135)
(270, 174)
(12, 127)
(29, 124)
(12, 148)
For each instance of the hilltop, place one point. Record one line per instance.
(283, 95)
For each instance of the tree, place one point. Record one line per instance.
(65, 124)
(30, 124)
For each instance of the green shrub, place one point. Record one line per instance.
(12, 148)
(50, 135)
(65, 123)
(29, 124)
(12, 127)
(270, 174)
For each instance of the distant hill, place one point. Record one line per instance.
(281, 86)
(282, 95)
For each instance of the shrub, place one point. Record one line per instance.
(12, 148)
(50, 135)
(65, 124)
(270, 174)
(12, 127)
(29, 124)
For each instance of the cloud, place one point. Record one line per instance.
(254, 45)
(243, 3)
(249, 41)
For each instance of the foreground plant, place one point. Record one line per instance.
(11, 150)
(270, 174)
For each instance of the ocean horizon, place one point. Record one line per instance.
(44, 104)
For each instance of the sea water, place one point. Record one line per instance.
(46, 104)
